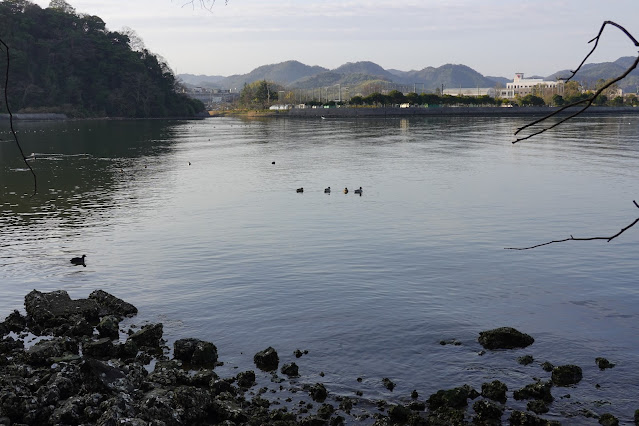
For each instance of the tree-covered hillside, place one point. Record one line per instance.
(70, 63)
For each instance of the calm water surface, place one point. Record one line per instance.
(224, 249)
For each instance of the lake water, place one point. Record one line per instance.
(192, 223)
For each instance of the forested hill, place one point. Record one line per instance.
(64, 62)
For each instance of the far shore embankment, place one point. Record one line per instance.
(442, 111)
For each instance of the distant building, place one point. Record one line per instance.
(471, 91)
(279, 107)
(531, 86)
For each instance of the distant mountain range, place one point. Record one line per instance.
(294, 74)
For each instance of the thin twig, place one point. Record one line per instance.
(608, 239)
(590, 99)
(13, 132)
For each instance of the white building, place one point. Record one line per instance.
(526, 86)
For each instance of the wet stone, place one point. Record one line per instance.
(246, 379)
(566, 375)
(109, 327)
(290, 369)
(538, 390)
(266, 360)
(504, 338)
(388, 384)
(603, 363)
(494, 390)
(195, 352)
(487, 412)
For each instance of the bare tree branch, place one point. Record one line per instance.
(607, 239)
(13, 132)
(587, 101)
(204, 4)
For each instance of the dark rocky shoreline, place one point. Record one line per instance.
(84, 369)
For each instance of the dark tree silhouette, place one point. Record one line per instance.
(586, 104)
(6, 101)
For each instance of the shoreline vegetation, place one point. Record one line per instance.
(446, 111)
(71, 361)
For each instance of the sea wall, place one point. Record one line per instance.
(364, 112)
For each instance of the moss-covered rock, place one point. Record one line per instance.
(608, 419)
(494, 390)
(520, 418)
(537, 406)
(504, 338)
(318, 392)
(452, 398)
(388, 384)
(290, 369)
(487, 412)
(538, 390)
(566, 375)
(195, 352)
(603, 363)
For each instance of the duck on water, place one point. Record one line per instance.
(79, 260)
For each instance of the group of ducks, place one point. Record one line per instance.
(328, 190)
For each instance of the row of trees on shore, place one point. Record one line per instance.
(262, 94)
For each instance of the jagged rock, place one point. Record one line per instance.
(44, 351)
(111, 305)
(109, 326)
(608, 419)
(169, 373)
(538, 390)
(547, 366)
(9, 344)
(56, 308)
(318, 392)
(266, 360)
(325, 411)
(14, 322)
(246, 379)
(566, 375)
(127, 350)
(525, 360)
(504, 338)
(603, 363)
(520, 418)
(452, 398)
(102, 377)
(195, 352)
(398, 414)
(487, 412)
(494, 390)
(537, 406)
(149, 336)
(388, 384)
(101, 348)
(290, 369)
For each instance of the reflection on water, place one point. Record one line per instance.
(194, 224)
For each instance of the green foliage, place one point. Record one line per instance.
(557, 100)
(531, 100)
(259, 94)
(64, 62)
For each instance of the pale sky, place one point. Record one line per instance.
(494, 37)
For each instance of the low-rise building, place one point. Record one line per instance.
(531, 86)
